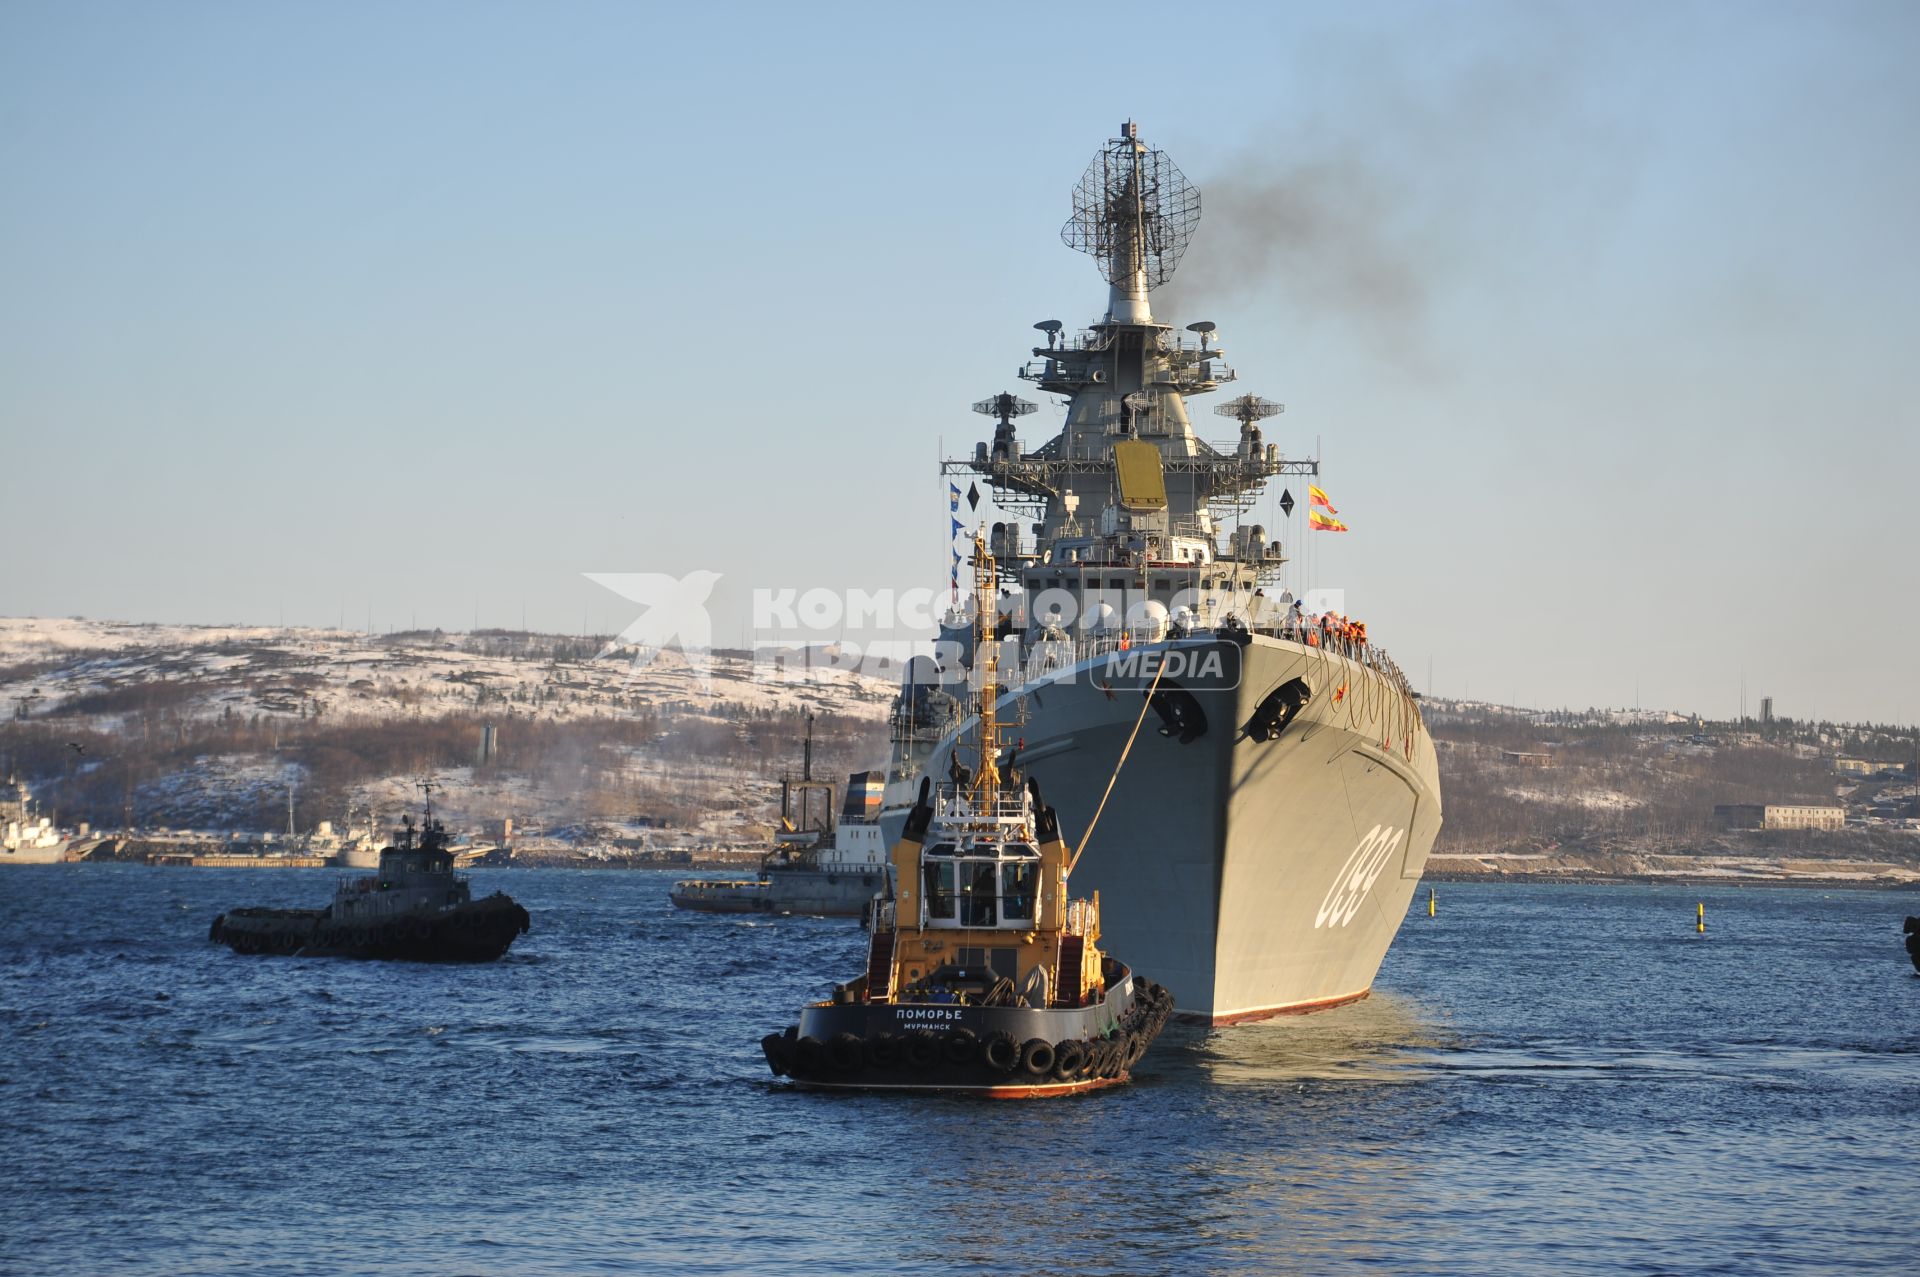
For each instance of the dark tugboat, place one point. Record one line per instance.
(982, 975)
(415, 908)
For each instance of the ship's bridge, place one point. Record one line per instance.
(977, 883)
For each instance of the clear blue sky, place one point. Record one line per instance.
(1604, 316)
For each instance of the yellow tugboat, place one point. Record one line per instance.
(983, 976)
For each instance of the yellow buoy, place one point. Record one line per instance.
(1701, 926)
(1430, 904)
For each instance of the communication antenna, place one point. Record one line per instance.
(1133, 213)
(1136, 403)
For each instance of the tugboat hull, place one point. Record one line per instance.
(995, 1052)
(480, 931)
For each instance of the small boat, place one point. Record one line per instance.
(415, 908)
(1913, 941)
(811, 869)
(983, 976)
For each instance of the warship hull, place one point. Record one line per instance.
(44, 854)
(1254, 877)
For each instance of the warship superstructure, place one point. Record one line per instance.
(1264, 787)
(27, 838)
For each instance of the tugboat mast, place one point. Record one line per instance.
(986, 780)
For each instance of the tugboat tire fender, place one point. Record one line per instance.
(774, 1047)
(882, 1050)
(1036, 1057)
(1068, 1059)
(923, 1050)
(809, 1054)
(213, 932)
(843, 1053)
(1002, 1052)
(961, 1047)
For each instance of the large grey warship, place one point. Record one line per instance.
(1264, 788)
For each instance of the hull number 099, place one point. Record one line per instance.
(1357, 876)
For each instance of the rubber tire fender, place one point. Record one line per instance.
(774, 1047)
(844, 1053)
(1036, 1057)
(1068, 1059)
(1002, 1053)
(923, 1050)
(809, 1055)
(960, 1048)
(882, 1051)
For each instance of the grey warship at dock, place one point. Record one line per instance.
(414, 908)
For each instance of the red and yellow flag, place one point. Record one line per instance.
(1316, 497)
(1322, 523)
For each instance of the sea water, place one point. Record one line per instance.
(1548, 1079)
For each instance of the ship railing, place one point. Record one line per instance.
(1083, 917)
(1369, 655)
(1007, 804)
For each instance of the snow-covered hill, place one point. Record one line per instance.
(208, 726)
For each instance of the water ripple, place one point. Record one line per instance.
(1546, 1081)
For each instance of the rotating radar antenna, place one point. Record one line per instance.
(1133, 212)
(1248, 409)
(1004, 406)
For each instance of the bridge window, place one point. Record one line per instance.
(1019, 884)
(940, 890)
(977, 892)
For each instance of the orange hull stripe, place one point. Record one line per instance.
(1268, 1013)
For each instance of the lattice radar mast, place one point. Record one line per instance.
(1133, 213)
